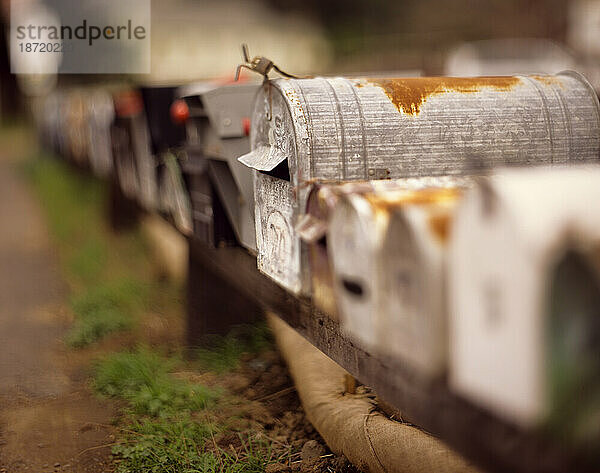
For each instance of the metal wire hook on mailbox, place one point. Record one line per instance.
(261, 65)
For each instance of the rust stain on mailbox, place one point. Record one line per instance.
(440, 226)
(438, 222)
(386, 201)
(549, 80)
(408, 94)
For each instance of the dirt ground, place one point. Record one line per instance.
(50, 420)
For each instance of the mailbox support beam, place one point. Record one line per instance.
(477, 434)
(214, 303)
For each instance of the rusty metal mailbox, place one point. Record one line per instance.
(358, 129)
(387, 250)
(313, 227)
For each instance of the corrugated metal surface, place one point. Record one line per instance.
(351, 129)
(275, 236)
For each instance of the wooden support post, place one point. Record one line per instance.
(214, 303)
(123, 213)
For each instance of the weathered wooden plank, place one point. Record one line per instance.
(123, 213)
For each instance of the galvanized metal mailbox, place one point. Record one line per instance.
(193, 167)
(50, 120)
(218, 132)
(387, 250)
(313, 227)
(101, 113)
(175, 202)
(153, 134)
(75, 127)
(158, 159)
(163, 132)
(144, 133)
(356, 129)
(128, 108)
(524, 286)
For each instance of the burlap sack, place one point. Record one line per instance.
(349, 424)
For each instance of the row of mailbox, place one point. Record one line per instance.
(172, 149)
(490, 280)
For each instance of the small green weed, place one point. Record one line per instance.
(162, 446)
(104, 309)
(123, 294)
(88, 330)
(170, 435)
(183, 446)
(143, 379)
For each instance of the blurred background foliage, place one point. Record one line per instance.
(416, 34)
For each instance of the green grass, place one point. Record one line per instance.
(163, 446)
(86, 331)
(225, 352)
(73, 202)
(103, 309)
(109, 275)
(143, 379)
(170, 423)
(171, 430)
(87, 262)
(182, 446)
